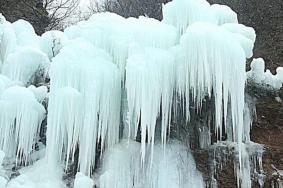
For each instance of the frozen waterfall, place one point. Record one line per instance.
(108, 88)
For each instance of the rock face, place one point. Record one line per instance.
(29, 10)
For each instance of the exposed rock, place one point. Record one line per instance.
(29, 10)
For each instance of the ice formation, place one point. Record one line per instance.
(83, 181)
(20, 56)
(51, 43)
(119, 36)
(264, 78)
(5, 82)
(38, 176)
(22, 65)
(144, 97)
(20, 116)
(122, 168)
(197, 51)
(84, 104)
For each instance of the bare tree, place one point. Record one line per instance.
(59, 11)
(130, 8)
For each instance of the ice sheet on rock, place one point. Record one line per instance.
(82, 181)
(88, 86)
(150, 79)
(23, 65)
(38, 175)
(20, 117)
(175, 168)
(265, 79)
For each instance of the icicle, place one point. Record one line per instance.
(150, 84)
(214, 61)
(90, 118)
(64, 123)
(20, 116)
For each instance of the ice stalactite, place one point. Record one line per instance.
(212, 56)
(21, 116)
(147, 100)
(175, 169)
(84, 104)
(216, 64)
(65, 108)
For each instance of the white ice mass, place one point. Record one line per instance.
(115, 84)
